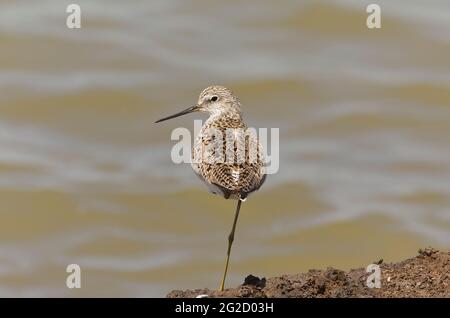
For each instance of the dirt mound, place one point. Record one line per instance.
(426, 275)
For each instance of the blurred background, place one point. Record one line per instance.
(87, 178)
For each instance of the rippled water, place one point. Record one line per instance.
(86, 177)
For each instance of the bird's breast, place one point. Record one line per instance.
(228, 159)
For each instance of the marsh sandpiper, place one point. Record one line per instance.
(225, 155)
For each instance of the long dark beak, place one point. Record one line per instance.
(184, 112)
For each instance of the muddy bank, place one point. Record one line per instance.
(425, 275)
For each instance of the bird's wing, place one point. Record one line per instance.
(233, 162)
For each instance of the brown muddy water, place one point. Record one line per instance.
(87, 178)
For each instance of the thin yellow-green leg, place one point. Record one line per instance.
(230, 242)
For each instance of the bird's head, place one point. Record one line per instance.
(215, 100)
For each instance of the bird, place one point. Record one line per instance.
(226, 157)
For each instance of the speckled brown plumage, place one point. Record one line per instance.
(222, 141)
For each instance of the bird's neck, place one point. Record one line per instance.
(229, 118)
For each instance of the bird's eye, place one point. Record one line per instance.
(214, 98)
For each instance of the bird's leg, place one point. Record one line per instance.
(230, 242)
